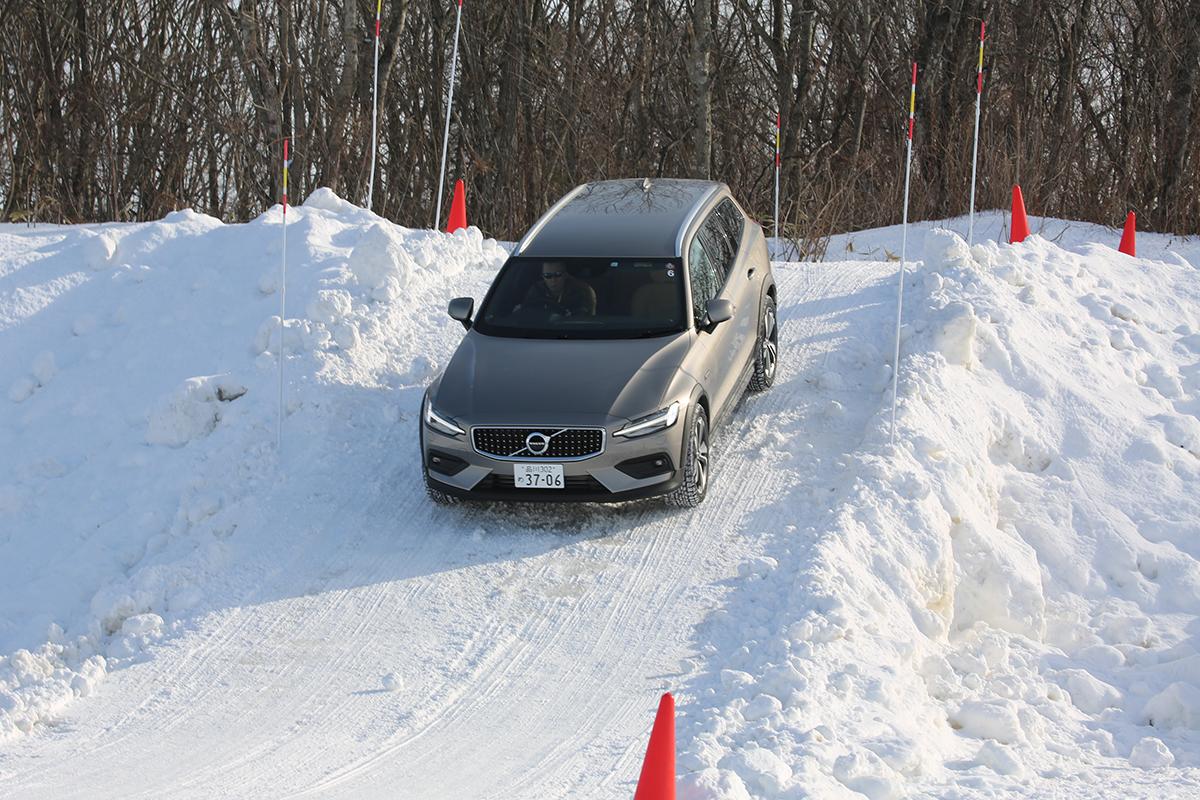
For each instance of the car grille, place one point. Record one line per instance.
(565, 443)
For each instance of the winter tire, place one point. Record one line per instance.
(766, 349)
(437, 495)
(697, 462)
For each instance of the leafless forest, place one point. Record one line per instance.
(127, 109)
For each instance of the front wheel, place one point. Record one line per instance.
(438, 496)
(766, 350)
(697, 462)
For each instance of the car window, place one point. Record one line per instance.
(722, 233)
(702, 276)
(717, 245)
(584, 298)
(732, 223)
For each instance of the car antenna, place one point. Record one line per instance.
(646, 185)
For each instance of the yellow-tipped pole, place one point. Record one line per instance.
(778, 121)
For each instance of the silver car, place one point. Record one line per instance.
(622, 329)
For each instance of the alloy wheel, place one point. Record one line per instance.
(700, 453)
(770, 343)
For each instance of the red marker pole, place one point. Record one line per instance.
(912, 107)
(374, 107)
(975, 152)
(282, 302)
(437, 216)
(777, 127)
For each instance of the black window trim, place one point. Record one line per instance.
(735, 214)
(704, 218)
(695, 239)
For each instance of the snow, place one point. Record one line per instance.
(141, 430)
(1177, 706)
(1006, 603)
(1000, 579)
(192, 411)
(1151, 753)
(883, 244)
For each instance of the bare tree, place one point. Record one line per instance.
(699, 80)
(130, 108)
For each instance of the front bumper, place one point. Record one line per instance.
(623, 470)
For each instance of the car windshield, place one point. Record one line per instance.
(585, 298)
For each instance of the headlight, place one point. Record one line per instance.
(439, 423)
(658, 421)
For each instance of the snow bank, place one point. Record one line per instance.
(1008, 602)
(883, 244)
(140, 369)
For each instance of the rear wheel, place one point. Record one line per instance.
(766, 351)
(697, 462)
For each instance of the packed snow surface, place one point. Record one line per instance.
(1006, 602)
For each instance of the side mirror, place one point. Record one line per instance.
(718, 311)
(461, 309)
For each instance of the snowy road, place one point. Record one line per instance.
(526, 646)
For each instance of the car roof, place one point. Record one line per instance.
(628, 218)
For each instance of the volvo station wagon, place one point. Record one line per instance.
(623, 328)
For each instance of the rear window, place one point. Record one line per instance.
(585, 298)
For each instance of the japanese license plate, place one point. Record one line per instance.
(538, 476)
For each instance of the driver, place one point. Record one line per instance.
(561, 293)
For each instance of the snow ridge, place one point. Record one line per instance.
(168, 463)
(1008, 603)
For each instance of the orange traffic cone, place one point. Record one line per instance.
(1019, 228)
(657, 781)
(458, 208)
(1129, 237)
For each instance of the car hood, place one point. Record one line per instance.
(558, 381)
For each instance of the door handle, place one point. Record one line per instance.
(750, 272)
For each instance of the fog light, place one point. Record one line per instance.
(647, 466)
(445, 464)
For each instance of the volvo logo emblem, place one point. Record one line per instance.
(537, 443)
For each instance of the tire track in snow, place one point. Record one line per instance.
(745, 491)
(534, 639)
(648, 568)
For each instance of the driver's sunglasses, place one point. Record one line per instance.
(552, 274)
